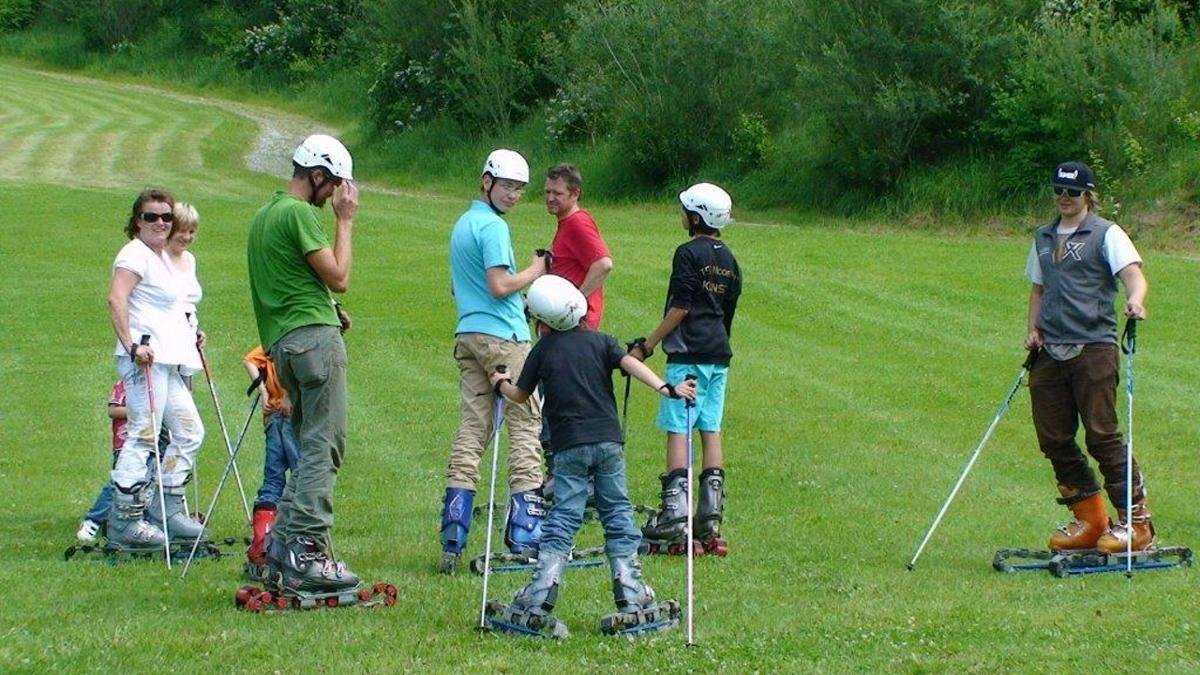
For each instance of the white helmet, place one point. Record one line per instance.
(556, 302)
(326, 152)
(709, 201)
(506, 164)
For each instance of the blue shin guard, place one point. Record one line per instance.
(456, 519)
(523, 527)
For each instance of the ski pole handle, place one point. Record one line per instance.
(547, 256)
(689, 402)
(1129, 337)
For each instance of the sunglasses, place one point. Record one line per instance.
(1070, 192)
(151, 217)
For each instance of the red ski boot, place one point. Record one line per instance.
(256, 554)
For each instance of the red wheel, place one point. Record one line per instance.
(253, 605)
(381, 587)
(390, 590)
(282, 602)
(331, 602)
(266, 597)
(319, 602)
(243, 595)
(364, 595)
(389, 600)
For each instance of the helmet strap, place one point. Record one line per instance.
(491, 204)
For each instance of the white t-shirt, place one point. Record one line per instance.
(192, 293)
(156, 307)
(1118, 250)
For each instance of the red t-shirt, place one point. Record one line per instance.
(577, 245)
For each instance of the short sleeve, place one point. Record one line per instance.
(613, 351)
(117, 397)
(131, 258)
(495, 245)
(530, 375)
(1033, 266)
(310, 236)
(585, 242)
(1119, 251)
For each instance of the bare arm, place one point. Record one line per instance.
(1136, 288)
(510, 390)
(116, 412)
(501, 284)
(596, 275)
(119, 289)
(333, 266)
(631, 365)
(1033, 336)
(669, 323)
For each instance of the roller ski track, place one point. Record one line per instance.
(115, 554)
(260, 601)
(1073, 563)
(717, 546)
(518, 562)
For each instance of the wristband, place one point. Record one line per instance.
(671, 393)
(640, 343)
(133, 346)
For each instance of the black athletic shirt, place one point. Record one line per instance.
(576, 368)
(706, 281)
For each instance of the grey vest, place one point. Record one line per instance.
(1079, 289)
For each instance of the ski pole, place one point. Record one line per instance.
(224, 431)
(162, 497)
(1129, 346)
(1025, 368)
(232, 462)
(497, 421)
(690, 405)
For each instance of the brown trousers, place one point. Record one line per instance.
(1082, 389)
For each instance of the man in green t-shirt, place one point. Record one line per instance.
(293, 268)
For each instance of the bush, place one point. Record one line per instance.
(106, 24)
(306, 33)
(1087, 82)
(406, 92)
(15, 14)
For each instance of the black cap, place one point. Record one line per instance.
(1075, 175)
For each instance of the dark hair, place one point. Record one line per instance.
(696, 225)
(147, 195)
(569, 173)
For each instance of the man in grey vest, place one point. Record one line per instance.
(1074, 265)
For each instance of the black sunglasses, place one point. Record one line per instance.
(1070, 192)
(151, 217)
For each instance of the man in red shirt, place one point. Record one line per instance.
(580, 254)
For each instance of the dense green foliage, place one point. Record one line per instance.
(798, 103)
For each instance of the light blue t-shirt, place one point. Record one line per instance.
(480, 241)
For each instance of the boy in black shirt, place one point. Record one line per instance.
(575, 365)
(698, 318)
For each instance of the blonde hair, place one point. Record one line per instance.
(186, 218)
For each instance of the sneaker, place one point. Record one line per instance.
(89, 531)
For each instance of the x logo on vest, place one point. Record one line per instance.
(1073, 249)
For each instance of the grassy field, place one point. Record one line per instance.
(868, 364)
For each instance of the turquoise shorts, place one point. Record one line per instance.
(710, 398)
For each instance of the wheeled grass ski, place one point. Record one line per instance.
(662, 616)
(1072, 563)
(260, 600)
(114, 553)
(506, 619)
(519, 562)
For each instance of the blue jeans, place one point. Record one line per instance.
(604, 463)
(282, 455)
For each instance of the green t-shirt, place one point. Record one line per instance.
(285, 291)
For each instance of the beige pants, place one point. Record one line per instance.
(478, 355)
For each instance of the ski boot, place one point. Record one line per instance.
(179, 526)
(89, 531)
(256, 555)
(1117, 539)
(711, 512)
(666, 529)
(1090, 522)
(529, 611)
(302, 568)
(523, 524)
(637, 610)
(127, 529)
(456, 522)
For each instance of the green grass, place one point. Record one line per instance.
(868, 364)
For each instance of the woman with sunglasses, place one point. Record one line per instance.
(1074, 264)
(146, 304)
